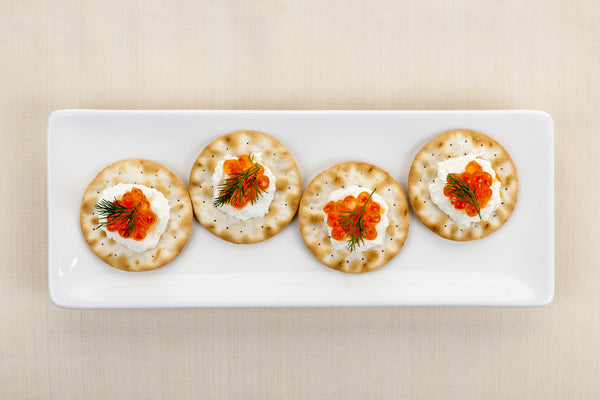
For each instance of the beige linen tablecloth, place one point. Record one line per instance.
(299, 55)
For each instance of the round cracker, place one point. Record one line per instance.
(314, 228)
(458, 143)
(177, 231)
(288, 186)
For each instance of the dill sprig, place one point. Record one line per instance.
(460, 188)
(118, 213)
(239, 186)
(352, 222)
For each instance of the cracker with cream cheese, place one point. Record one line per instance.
(453, 144)
(313, 225)
(275, 157)
(172, 240)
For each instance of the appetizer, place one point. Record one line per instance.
(463, 185)
(354, 217)
(136, 215)
(245, 187)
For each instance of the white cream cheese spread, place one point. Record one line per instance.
(260, 207)
(158, 204)
(457, 166)
(340, 194)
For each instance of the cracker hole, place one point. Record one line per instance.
(450, 144)
(142, 172)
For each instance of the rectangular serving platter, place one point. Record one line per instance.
(512, 267)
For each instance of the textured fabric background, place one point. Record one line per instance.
(431, 54)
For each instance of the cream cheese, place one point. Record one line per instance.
(260, 207)
(457, 166)
(381, 226)
(158, 204)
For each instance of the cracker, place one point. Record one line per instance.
(287, 194)
(176, 233)
(458, 143)
(314, 228)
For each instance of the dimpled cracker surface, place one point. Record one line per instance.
(288, 186)
(176, 233)
(458, 143)
(314, 228)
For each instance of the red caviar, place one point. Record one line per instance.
(480, 183)
(141, 220)
(335, 211)
(238, 166)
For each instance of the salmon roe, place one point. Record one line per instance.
(480, 183)
(336, 210)
(139, 207)
(238, 166)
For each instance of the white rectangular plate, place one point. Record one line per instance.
(512, 267)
